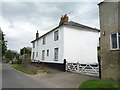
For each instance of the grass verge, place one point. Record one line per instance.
(99, 84)
(19, 68)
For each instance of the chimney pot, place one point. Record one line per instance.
(63, 19)
(37, 35)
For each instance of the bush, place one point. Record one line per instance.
(7, 60)
(17, 62)
(26, 61)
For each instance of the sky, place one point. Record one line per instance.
(20, 20)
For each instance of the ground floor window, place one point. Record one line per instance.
(37, 54)
(48, 52)
(43, 54)
(56, 54)
(33, 55)
(115, 41)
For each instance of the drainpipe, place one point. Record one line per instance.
(99, 67)
(64, 65)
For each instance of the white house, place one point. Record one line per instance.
(70, 40)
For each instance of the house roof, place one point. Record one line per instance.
(100, 3)
(70, 23)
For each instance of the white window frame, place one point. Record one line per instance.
(118, 48)
(56, 59)
(33, 44)
(33, 55)
(43, 54)
(56, 37)
(47, 52)
(36, 54)
(44, 40)
(37, 42)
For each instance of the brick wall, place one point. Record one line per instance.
(110, 61)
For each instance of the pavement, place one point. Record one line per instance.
(64, 79)
(15, 79)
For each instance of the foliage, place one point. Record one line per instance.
(98, 84)
(7, 60)
(4, 44)
(17, 62)
(9, 54)
(26, 61)
(18, 67)
(27, 67)
(25, 50)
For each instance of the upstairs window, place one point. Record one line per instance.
(115, 41)
(37, 43)
(43, 40)
(33, 44)
(56, 35)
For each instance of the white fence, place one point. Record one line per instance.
(88, 69)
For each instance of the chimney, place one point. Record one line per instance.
(37, 35)
(63, 19)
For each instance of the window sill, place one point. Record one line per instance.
(56, 40)
(115, 50)
(55, 59)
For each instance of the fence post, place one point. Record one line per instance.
(64, 65)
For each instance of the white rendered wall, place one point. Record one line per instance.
(50, 44)
(80, 45)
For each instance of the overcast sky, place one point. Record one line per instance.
(20, 20)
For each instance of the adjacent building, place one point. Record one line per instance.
(1, 43)
(110, 39)
(69, 41)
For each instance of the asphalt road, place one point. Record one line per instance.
(14, 79)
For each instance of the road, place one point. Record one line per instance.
(14, 79)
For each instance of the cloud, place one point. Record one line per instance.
(21, 20)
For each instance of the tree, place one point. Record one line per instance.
(10, 54)
(4, 44)
(0, 44)
(25, 50)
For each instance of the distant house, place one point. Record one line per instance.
(110, 39)
(69, 41)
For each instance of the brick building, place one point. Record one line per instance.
(110, 39)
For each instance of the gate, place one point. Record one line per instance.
(88, 69)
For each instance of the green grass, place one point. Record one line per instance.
(19, 68)
(99, 84)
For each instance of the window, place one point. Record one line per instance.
(33, 44)
(43, 54)
(47, 52)
(37, 54)
(56, 54)
(115, 41)
(43, 40)
(56, 37)
(37, 42)
(33, 55)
